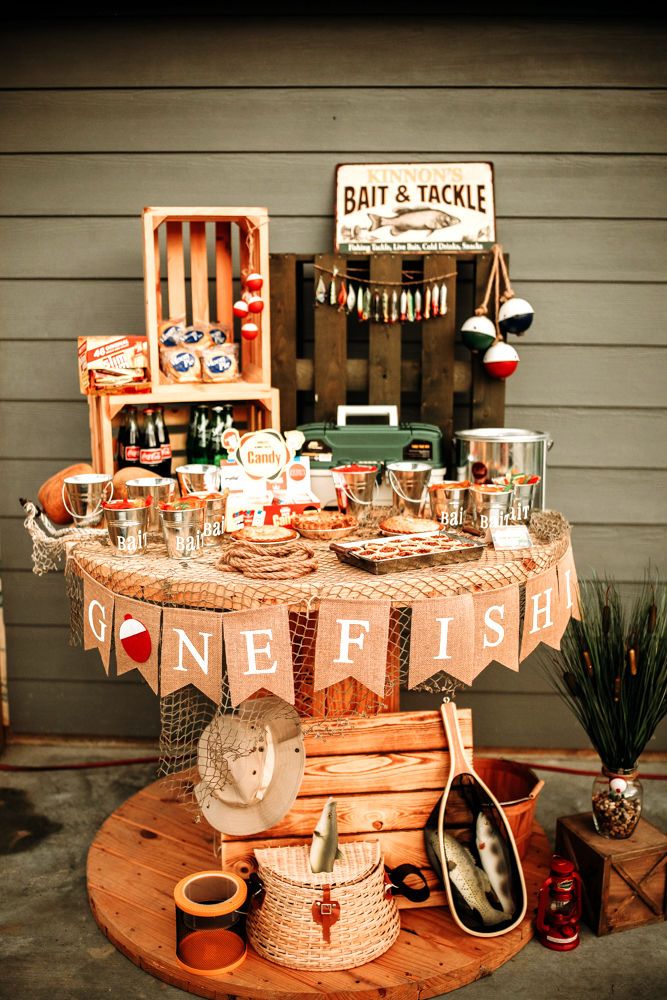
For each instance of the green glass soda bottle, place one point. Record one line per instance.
(198, 435)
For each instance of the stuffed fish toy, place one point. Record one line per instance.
(495, 860)
(324, 846)
(471, 881)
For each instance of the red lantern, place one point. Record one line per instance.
(240, 309)
(559, 907)
(249, 331)
(255, 304)
(254, 281)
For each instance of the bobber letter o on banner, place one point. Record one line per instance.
(441, 638)
(98, 603)
(542, 617)
(191, 652)
(352, 640)
(137, 639)
(258, 653)
(496, 628)
(568, 588)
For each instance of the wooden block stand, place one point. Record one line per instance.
(179, 243)
(625, 881)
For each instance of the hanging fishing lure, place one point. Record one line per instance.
(367, 305)
(351, 299)
(332, 291)
(376, 306)
(394, 307)
(443, 299)
(427, 303)
(410, 307)
(342, 297)
(385, 306)
(360, 304)
(418, 305)
(436, 300)
(404, 306)
(320, 291)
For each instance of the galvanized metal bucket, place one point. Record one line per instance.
(408, 481)
(195, 478)
(162, 490)
(214, 516)
(84, 495)
(449, 502)
(491, 509)
(183, 532)
(488, 452)
(355, 486)
(128, 529)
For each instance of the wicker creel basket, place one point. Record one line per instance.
(335, 920)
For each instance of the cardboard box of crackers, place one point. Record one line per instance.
(113, 364)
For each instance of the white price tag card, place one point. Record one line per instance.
(511, 536)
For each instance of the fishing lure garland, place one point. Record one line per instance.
(407, 301)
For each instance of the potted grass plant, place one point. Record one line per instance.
(612, 673)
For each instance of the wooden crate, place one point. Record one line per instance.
(624, 880)
(429, 365)
(105, 415)
(386, 774)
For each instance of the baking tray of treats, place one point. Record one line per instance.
(403, 552)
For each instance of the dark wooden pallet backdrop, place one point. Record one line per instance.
(316, 360)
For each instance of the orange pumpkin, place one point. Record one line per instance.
(50, 494)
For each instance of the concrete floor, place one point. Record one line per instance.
(51, 948)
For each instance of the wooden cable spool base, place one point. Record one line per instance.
(150, 842)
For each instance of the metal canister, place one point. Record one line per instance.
(408, 481)
(162, 490)
(488, 452)
(491, 507)
(128, 528)
(449, 501)
(214, 516)
(183, 531)
(195, 478)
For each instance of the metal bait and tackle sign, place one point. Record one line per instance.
(414, 207)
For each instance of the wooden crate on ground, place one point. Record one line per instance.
(624, 881)
(386, 774)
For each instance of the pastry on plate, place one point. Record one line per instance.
(267, 533)
(406, 524)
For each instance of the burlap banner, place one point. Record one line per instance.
(352, 639)
(441, 638)
(137, 638)
(568, 588)
(98, 605)
(258, 653)
(542, 620)
(191, 651)
(496, 629)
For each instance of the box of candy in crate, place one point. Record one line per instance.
(256, 502)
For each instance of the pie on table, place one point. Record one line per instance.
(405, 524)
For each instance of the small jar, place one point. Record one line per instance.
(617, 802)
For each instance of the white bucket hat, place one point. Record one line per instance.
(251, 764)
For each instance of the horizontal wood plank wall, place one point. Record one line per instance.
(103, 117)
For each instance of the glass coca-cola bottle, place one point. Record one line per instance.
(150, 451)
(129, 438)
(163, 438)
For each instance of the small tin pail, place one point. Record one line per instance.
(522, 503)
(449, 502)
(408, 481)
(128, 528)
(84, 495)
(355, 485)
(183, 531)
(214, 516)
(198, 478)
(162, 490)
(491, 508)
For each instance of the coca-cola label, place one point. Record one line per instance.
(132, 452)
(150, 456)
(165, 451)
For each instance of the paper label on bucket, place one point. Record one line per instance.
(511, 536)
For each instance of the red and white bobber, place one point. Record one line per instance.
(249, 331)
(135, 639)
(241, 309)
(255, 303)
(254, 281)
(501, 360)
(515, 316)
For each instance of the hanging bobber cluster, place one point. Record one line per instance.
(250, 305)
(513, 315)
(408, 301)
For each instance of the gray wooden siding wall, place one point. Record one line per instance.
(102, 118)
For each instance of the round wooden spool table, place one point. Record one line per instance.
(151, 841)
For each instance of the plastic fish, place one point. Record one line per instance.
(427, 303)
(360, 303)
(385, 306)
(321, 291)
(324, 845)
(351, 299)
(411, 306)
(404, 305)
(436, 300)
(413, 219)
(332, 292)
(394, 307)
(418, 305)
(376, 307)
(367, 304)
(443, 299)
(342, 297)
(471, 881)
(495, 860)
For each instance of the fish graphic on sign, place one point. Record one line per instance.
(412, 220)
(135, 639)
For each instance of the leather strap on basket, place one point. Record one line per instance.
(395, 884)
(326, 912)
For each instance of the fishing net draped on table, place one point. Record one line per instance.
(201, 585)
